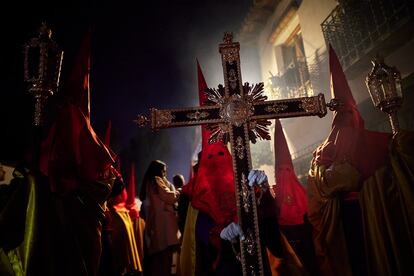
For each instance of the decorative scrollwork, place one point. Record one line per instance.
(245, 194)
(236, 110)
(239, 148)
(253, 273)
(259, 129)
(232, 77)
(309, 105)
(230, 54)
(228, 38)
(197, 115)
(215, 96)
(249, 242)
(141, 121)
(219, 132)
(163, 118)
(275, 108)
(255, 93)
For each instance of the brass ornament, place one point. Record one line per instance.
(232, 77)
(229, 50)
(236, 111)
(309, 105)
(219, 132)
(245, 194)
(276, 108)
(162, 117)
(197, 115)
(141, 121)
(239, 147)
(249, 241)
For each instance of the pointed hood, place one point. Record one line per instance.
(78, 86)
(290, 193)
(131, 205)
(348, 139)
(213, 190)
(348, 115)
(72, 150)
(131, 186)
(282, 153)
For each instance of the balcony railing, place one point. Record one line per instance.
(293, 83)
(354, 28)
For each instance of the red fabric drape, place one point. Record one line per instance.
(73, 149)
(290, 193)
(348, 139)
(130, 203)
(213, 190)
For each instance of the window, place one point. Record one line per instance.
(293, 81)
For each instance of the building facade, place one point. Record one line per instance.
(291, 39)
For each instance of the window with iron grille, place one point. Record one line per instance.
(294, 81)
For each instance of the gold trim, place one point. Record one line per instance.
(255, 218)
(239, 148)
(245, 194)
(249, 242)
(276, 108)
(163, 118)
(197, 115)
(310, 105)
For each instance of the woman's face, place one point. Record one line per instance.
(164, 172)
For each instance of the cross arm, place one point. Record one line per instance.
(287, 108)
(191, 116)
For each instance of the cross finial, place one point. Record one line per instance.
(44, 31)
(228, 38)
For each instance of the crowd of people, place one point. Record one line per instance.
(70, 211)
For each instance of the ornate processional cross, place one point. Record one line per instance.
(239, 113)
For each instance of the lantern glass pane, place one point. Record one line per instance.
(33, 64)
(398, 88)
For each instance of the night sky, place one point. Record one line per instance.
(143, 55)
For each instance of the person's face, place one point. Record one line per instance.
(164, 172)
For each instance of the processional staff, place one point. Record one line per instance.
(384, 87)
(42, 65)
(238, 113)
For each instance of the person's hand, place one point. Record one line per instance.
(231, 232)
(258, 178)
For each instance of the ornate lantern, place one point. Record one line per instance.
(42, 64)
(384, 86)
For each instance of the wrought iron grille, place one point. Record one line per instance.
(293, 83)
(354, 27)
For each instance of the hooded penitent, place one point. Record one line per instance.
(290, 193)
(213, 192)
(348, 140)
(72, 148)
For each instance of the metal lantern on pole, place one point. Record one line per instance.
(42, 64)
(384, 86)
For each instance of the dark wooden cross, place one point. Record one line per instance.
(238, 113)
